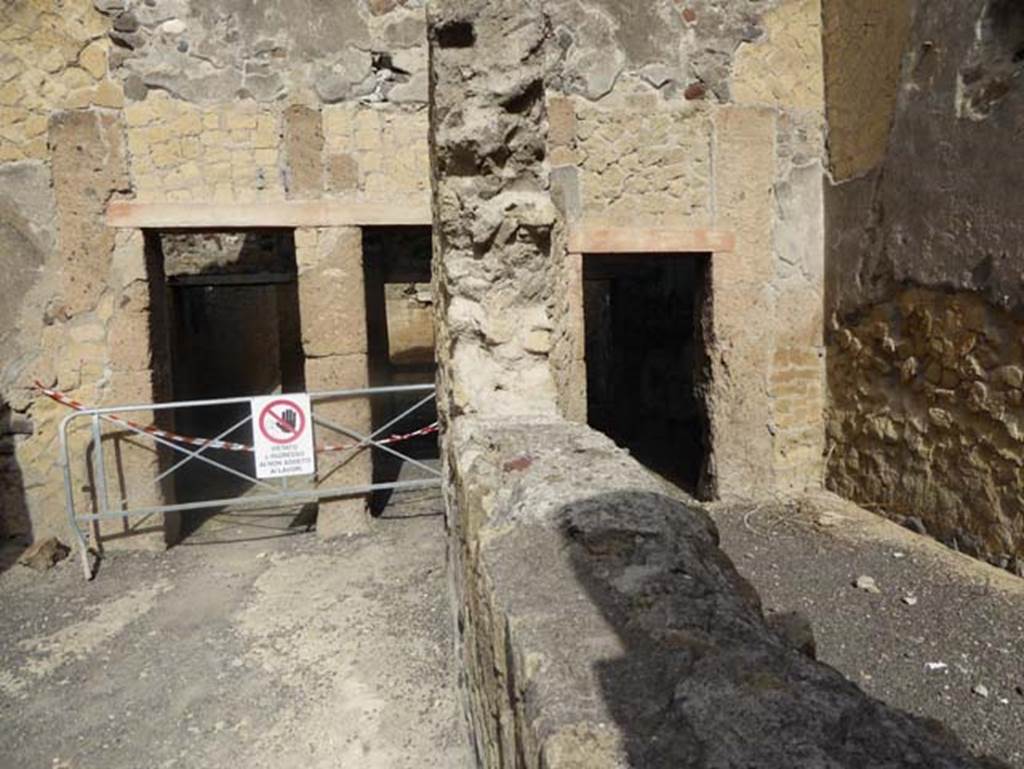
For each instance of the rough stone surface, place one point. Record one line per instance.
(334, 342)
(88, 168)
(923, 288)
(926, 418)
(44, 554)
(604, 627)
(493, 214)
(297, 51)
(303, 150)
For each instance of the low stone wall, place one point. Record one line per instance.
(602, 627)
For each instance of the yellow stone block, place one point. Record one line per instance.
(10, 94)
(266, 157)
(190, 170)
(218, 172)
(34, 125)
(223, 193)
(79, 98)
(214, 138)
(10, 152)
(139, 113)
(93, 59)
(158, 134)
(166, 154)
(236, 121)
(266, 136)
(75, 77)
(109, 94)
(187, 123)
(337, 122)
(51, 61)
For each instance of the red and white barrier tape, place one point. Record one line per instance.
(210, 443)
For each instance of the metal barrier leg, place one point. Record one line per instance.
(69, 501)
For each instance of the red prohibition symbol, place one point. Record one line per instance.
(284, 415)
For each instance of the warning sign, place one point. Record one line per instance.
(283, 436)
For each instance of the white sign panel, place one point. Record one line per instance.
(283, 435)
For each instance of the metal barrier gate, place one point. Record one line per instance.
(273, 491)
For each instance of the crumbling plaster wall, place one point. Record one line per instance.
(706, 115)
(924, 233)
(171, 101)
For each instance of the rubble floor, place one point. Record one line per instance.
(944, 636)
(252, 644)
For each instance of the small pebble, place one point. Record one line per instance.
(898, 554)
(981, 690)
(910, 600)
(867, 584)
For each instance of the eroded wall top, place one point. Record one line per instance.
(268, 50)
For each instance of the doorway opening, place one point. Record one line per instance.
(400, 340)
(646, 362)
(233, 330)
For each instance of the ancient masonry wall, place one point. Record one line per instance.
(584, 595)
(715, 122)
(712, 122)
(603, 627)
(183, 102)
(925, 353)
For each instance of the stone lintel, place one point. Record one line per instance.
(590, 239)
(343, 212)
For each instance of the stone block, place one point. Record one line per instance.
(89, 165)
(332, 302)
(337, 517)
(561, 121)
(303, 151)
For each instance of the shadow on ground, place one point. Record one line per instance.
(704, 682)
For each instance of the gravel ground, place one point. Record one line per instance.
(252, 644)
(943, 637)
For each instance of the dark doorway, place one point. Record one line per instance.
(234, 331)
(645, 358)
(400, 339)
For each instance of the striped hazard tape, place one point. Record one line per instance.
(210, 443)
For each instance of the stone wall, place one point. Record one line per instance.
(603, 627)
(924, 293)
(713, 122)
(169, 101)
(600, 625)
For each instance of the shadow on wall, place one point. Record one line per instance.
(15, 524)
(704, 682)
